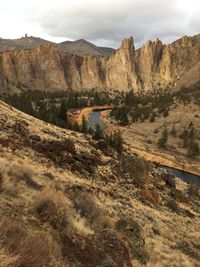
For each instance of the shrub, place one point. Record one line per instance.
(152, 117)
(193, 191)
(165, 113)
(133, 232)
(134, 168)
(22, 172)
(52, 208)
(85, 204)
(25, 247)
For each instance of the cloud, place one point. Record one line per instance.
(107, 22)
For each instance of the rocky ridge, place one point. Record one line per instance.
(78, 47)
(155, 66)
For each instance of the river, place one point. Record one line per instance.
(95, 118)
(185, 176)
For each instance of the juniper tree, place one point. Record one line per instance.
(98, 133)
(84, 126)
(173, 131)
(163, 140)
(193, 149)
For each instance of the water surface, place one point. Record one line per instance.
(185, 176)
(95, 119)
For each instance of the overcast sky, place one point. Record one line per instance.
(104, 22)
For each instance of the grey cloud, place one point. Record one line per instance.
(110, 21)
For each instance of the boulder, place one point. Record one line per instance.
(169, 179)
(151, 196)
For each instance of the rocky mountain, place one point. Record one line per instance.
(79, 47)
(152, 67)
(67, 200)
(83, 47)
(21, 43)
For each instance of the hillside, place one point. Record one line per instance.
(79, 47)
(68, 200)
(154, 67)
(21, 43)
(82, 47)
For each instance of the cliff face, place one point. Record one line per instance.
(154, 66)
(39, 68)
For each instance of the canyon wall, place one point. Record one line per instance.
(152, 67)
(39, 69)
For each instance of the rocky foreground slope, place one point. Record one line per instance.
(68, 200)
(154, 66)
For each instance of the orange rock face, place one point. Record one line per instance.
(39, 69)
(152, 67)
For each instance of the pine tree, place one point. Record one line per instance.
(185, 136)
(173, 131)
(76, 127)
(124, 118)
(90, 131)
(191, 133)
(63, 110)
(163, 140)
(116, 141)
(98, 134)
(193, 149)
(152, 117)
(84, 126)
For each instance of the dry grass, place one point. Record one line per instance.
(7, 260)
(22, 247)
(4, 167)
(54, 208)
(85, 204)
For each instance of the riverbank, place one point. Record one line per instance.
(76, 115)
(136, 142)
(166, 160)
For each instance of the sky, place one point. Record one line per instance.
(103, 22)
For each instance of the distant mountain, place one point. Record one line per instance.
(21, 43)
(83, 47)
(79, 47)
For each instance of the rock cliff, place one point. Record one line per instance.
(154, 66)
(39, 68)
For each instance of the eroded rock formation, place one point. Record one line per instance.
(151, 67)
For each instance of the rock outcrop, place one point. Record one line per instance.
(154, 66)
(39, 68)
